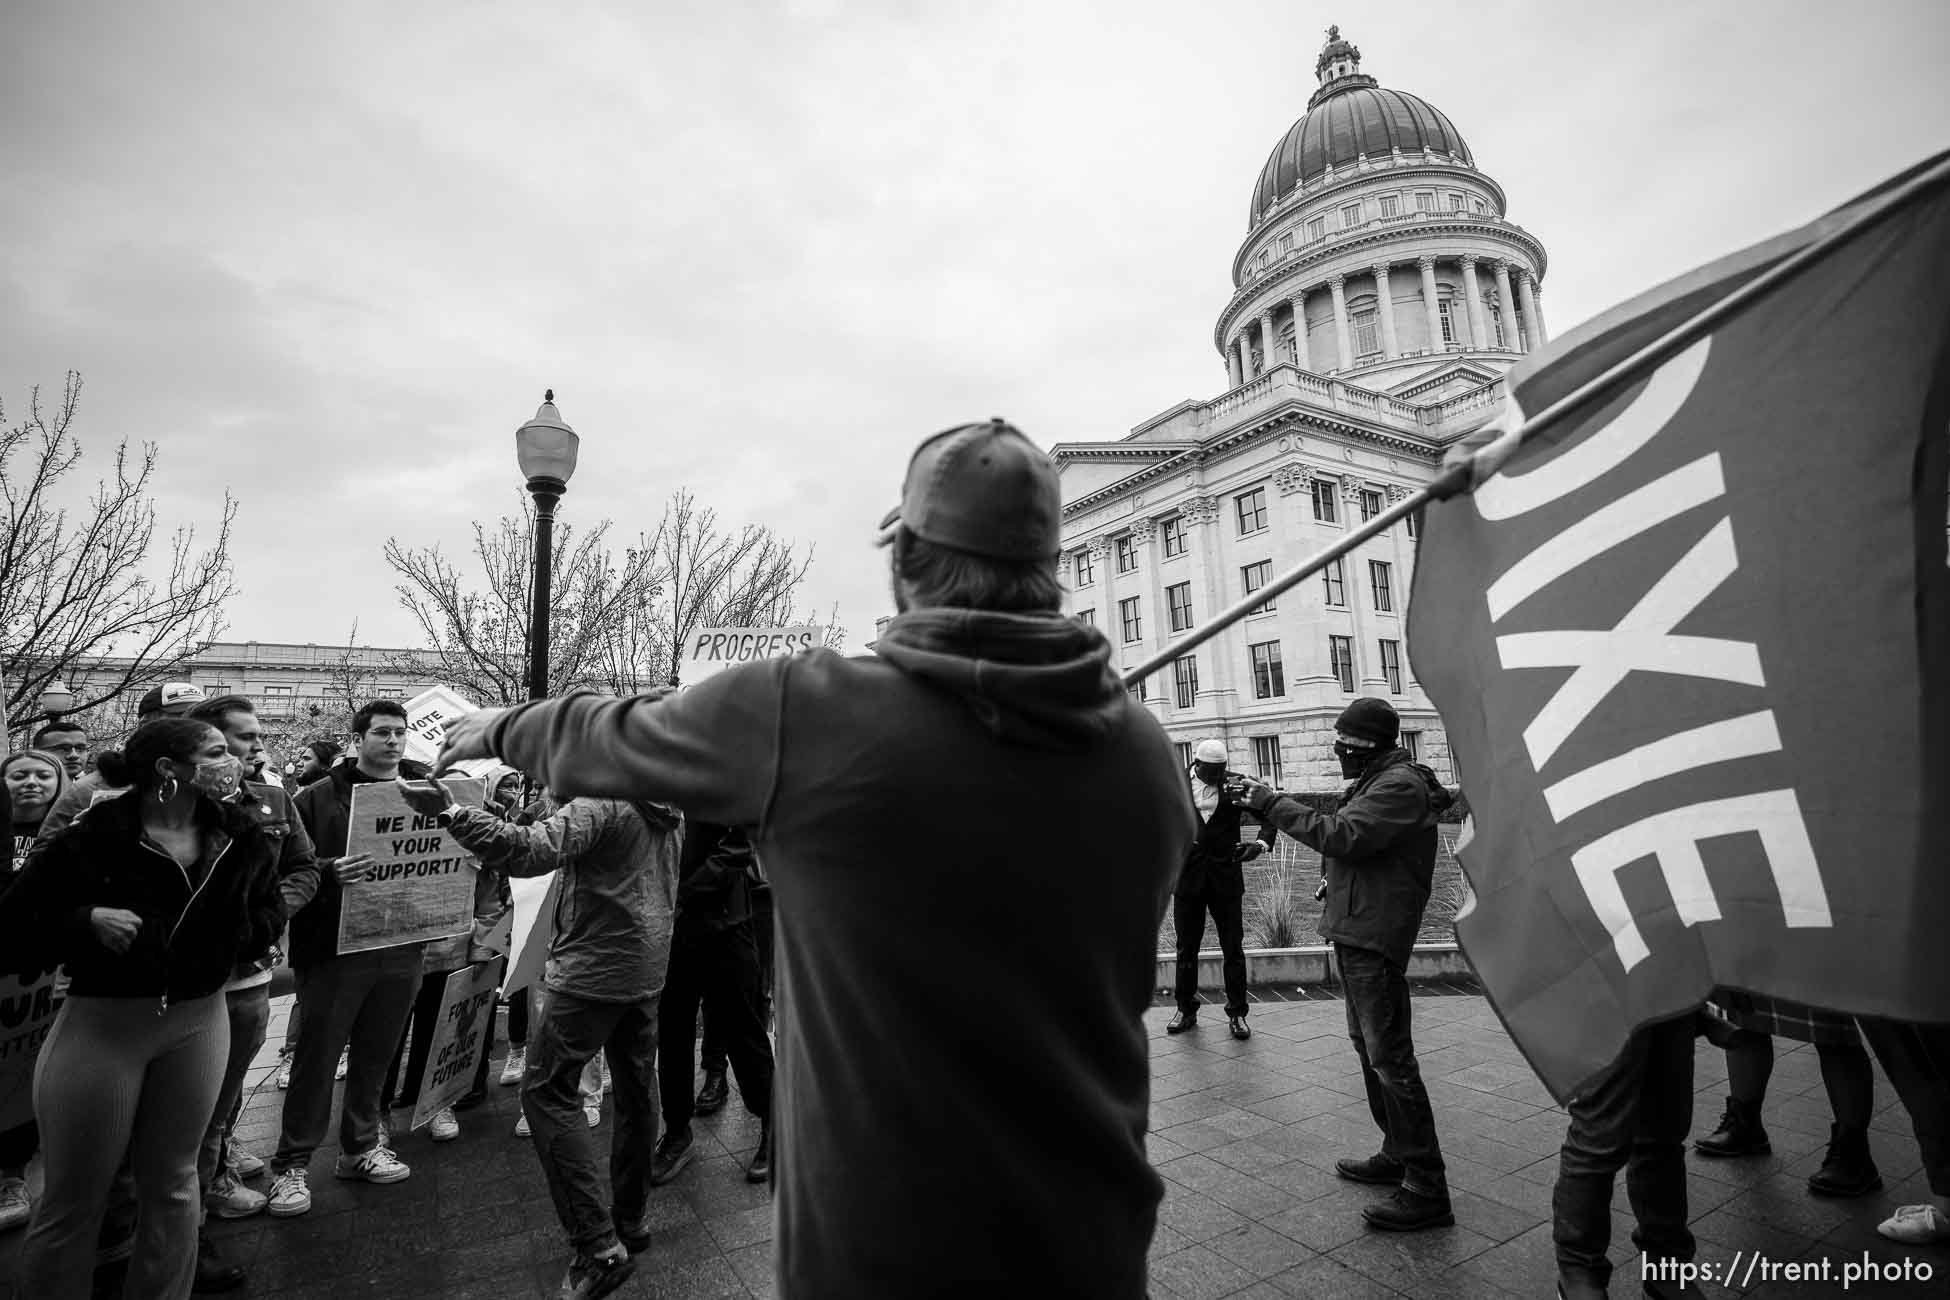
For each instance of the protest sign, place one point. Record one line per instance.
(28, 1005)
(422, 882)
(533, 928)
(709, 651)
(427, 716)
(459, 1038)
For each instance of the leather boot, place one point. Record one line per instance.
(711, 1097)
(212, 1273)
(760, 1169)
(1182, 1021)
(1739, 1134)
(1849, 1169)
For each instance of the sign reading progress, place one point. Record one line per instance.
(711, 650)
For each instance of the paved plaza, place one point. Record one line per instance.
(1244, 1133)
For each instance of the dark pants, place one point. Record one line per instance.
(713, 1052)
(568, 1032)
(1917, 1060)
(410, 1058)
(718, 970)
(1635, 1117)
(249, 1011)
(1376, 991)
(356, 1004)
(1229, 919)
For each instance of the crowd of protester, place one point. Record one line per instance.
(947, 1114)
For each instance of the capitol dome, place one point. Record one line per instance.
(1350, 117)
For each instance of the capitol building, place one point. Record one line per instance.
(1379, 295)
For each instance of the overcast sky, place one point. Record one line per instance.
(760, 249)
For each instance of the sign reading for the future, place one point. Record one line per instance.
(459, 1038)
(711, 650)
(422, 881)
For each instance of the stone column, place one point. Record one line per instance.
(1232, 368)
(1478, 335)
(1339, 287)
(1430, 298)
(1302, 355)
(1533, 315)
(1267, 339)
(1384, 294)
(1217, 696)
(1245, 351)
(1507, 303)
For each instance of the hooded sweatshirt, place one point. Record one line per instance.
(971, 837)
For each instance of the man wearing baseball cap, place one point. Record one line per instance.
(1214, 879)
(971, 834)
(171, 699)
(1378, 854)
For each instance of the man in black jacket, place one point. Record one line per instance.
(713, 963)
(1213, 878)
(1378, 854)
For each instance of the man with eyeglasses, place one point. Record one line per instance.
(67, 741)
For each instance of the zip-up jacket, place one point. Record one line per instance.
(714, 878)
(618, 892)
(272, 809)
(198, 923)
(325, 809)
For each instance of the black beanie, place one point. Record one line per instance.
(1370, 719)
(324, 751)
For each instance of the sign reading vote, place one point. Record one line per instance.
(711, 650)
(422, 881)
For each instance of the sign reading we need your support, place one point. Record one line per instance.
(422, 881)
(711, 650)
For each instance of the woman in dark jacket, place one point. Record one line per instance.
(30, 782)
(150, 901)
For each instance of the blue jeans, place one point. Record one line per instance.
(1635, 1117)
(568, 1032)
(1377, 1021)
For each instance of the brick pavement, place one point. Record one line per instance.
(1245, 1135)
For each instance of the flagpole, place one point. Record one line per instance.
(1467, 473)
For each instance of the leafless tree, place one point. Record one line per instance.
(617, 623)
(81, 597)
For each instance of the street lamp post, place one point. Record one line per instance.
(546, 449)
(56, 700)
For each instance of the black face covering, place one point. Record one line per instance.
(1353, 761)
(1210, 773)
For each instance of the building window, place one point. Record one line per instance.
(1130, 619)
(1266, 760)
(1287, 348)
(1141, 691)
(1286, 242)
(1323, 494)
(1184, 748)
(1084, 567)
(1126, 554)
(1391, 665)
(1269, 678)
(1414, 523)
(1410, 741)
(1443, 308)
(1384, 590)
(1255, 577)
(1252, 510)
(1391, 205)
(1456, 203)
(1184, 680)
(1370, 504)
(278, 691)
(1481, 207)
(1261, 263)
(1087, 617)
(1350, 216)
(1316, 230)
(1495, 313)
(1425, 203)
(1334, 577)
(1367, 332)
(1340, 658)
(1178, 602)
(1174, 534)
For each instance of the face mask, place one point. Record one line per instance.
(1353, 761)
(218, 778)
(1210, 773)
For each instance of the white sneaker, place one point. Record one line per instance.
(378, 1165)
(340, 1072)
(284, 1069)
(1916, 1225)
(516, 1066)
(230, 1199)
(594, 1114)
(244, 1164)
(15, 1206)
(443, 1127)
(290, 1193)
(521, 1126)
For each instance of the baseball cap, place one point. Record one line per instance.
(1209, 751)
(171, 697)
(985, 489)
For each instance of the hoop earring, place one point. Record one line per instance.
(166, 791)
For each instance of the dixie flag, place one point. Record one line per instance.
(1692, 647)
